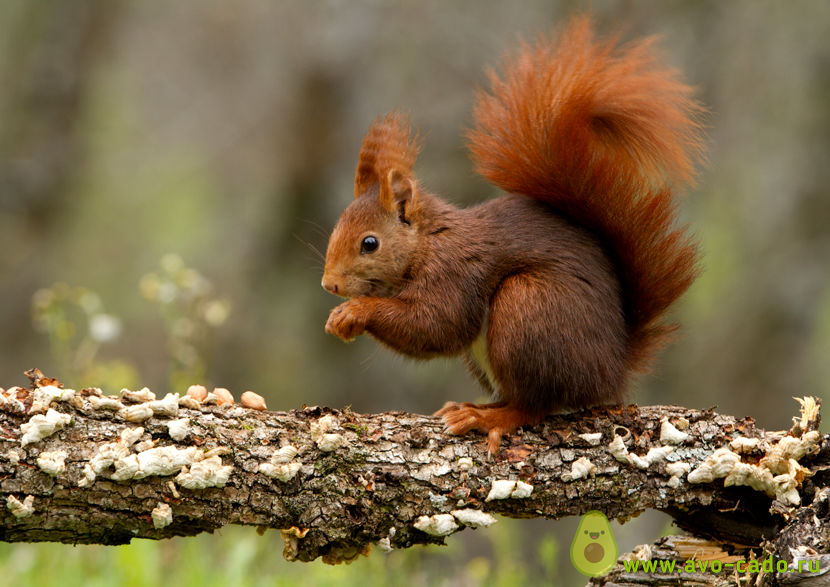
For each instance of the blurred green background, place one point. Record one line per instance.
(173, 167)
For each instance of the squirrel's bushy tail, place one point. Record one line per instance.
(603, 133)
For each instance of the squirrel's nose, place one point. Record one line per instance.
(329, 285)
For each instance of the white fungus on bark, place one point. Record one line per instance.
(40, 426)
(283, 471)
(322, 425)
(42, 397)
(105, 402)
(593, 439)
(164, 460)
(144, 445)
(523, 490)
(501, 489)
(125, 468)
(385, 544)
(669, 434)
(20, 509)
(178, 429)
(474, 518)
(718, 465)
(437, 525)
(106, 457)
(430, 471)
(162, 516)
(142, 395)
(509, 489)
(281, 465)
(137, 413)
(189, 402)
(9, 401)
(326, 441)
(778, 473)
(130, 435)
(169, 406)
(678, 468)
(618, 449)
(284, 455)
(778, 457)
(655, 454)
(160, 461)
(580, 468)
(330, 442)
(209, 472)
(676, 471)
(52, 462)
(87, 476)
(742, 444)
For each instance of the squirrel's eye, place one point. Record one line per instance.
(369, 244)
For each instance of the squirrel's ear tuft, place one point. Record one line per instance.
(365, 176)
(398, 194)
(388, 144)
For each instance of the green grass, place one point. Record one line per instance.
(238, 556)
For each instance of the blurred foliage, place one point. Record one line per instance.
(227, 133)
(238, 556)
(76, 325)
(508, 554)
(191, 314)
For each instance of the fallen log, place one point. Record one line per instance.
(83, 467)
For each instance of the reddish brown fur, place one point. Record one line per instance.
(601, 134)
(566, 286)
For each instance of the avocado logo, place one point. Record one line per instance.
(593, 550)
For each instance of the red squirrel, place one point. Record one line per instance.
(555, 293)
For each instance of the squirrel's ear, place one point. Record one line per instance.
(364, 177)
(398, 194)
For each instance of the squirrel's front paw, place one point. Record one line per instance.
(347, 321)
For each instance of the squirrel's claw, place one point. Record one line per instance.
(495, 419)
(460, 418)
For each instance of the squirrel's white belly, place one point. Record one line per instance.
(481, 354)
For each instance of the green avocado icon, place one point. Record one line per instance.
(594, 550)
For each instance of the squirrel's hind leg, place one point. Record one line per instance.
(495, 419)
(556, 340)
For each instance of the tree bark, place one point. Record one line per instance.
(79, 467)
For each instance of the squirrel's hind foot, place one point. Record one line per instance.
(496, 419)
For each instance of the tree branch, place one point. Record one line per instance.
(79, 467)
